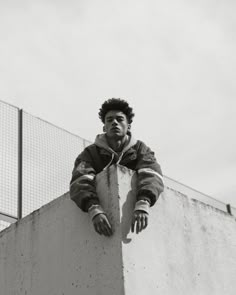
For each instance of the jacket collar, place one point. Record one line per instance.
(101, 141)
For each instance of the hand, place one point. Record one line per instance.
(140, 219)
(102, 225)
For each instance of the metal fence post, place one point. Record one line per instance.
(228, 207)
(20, 163)
(84, 143)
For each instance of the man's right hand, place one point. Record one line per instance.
(102, 225)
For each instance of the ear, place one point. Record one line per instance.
(104, 128)
(129, 126)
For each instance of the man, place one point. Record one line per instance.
(116, 146)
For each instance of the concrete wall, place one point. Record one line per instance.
(196, 195)
(188, 248)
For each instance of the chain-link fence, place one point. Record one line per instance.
(48, 157)
(36, 163)
(8, 162)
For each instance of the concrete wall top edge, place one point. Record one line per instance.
(218, 209)
(34, 214)
(200, 203)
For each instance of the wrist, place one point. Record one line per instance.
(142, 205)
(94, 210)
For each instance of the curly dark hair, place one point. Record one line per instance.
(118, 105)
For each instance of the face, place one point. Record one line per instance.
(116, 124)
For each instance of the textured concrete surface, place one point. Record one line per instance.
(188, 248)
(55, 250)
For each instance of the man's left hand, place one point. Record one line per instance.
(140, 220)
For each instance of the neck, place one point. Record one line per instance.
(117, 144)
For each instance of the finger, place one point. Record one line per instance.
(142, 223)
(106, 227)
(146, 221)
(107, 223)
(109, 230)
(98, 228)
(134, 221)
(133, 224)
(138, 225)
(104, 231)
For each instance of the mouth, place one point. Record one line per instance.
(115, 129)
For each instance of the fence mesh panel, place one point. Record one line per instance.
(8, 158)
(48, 157)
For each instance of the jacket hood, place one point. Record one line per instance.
(101, 141)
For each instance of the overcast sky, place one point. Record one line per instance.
(173, 61)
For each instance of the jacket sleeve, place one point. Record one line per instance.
(150, 179)
(82, 184)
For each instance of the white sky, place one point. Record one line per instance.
(173, 61)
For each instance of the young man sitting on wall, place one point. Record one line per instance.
(116, 146)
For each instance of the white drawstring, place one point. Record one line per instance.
(120, 158)
(112, 158)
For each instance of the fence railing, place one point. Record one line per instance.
(36, 161)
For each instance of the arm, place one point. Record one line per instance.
(149, 186)
(150, 178)
(83, 193)
(82, 184)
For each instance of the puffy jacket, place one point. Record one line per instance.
(99, 156)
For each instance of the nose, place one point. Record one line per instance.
(114, 122)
